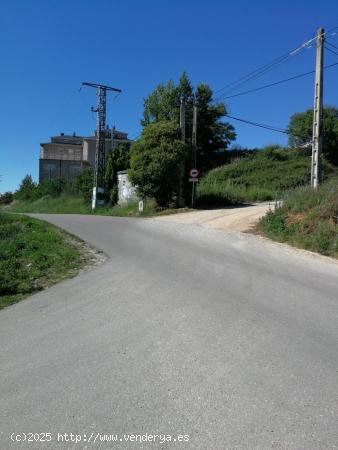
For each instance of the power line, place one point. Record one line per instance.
(330, 50)
(332, 45)
(267, 127)
(251, 75)
(256, 124)
(263, 69)
(275, 83)
(270, 85)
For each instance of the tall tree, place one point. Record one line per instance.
(27, 189)
(156, 162)
(300, 128)
(213, 135)
(161, 104)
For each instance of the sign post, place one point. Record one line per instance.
(194, 174)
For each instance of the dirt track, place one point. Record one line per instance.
(239, 218)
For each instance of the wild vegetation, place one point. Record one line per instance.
(117, 160)
(6, 198)
(70, 204)
(263, 175)
(308, 219)
(29, 191)
(33, 254)
(300, 129)
(160, 163)
(156, 162)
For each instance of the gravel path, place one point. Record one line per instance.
(241, 218)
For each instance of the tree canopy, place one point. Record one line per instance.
(156, 161)
(213, 135)
(300, 127)
(27, 189)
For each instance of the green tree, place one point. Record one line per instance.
(118, 159)
(6, 198)
(27, 189)
(300, 127)
(213, 135)
(84, 184)
(156, 162)
(160, 103)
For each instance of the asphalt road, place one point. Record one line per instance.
(223, 337)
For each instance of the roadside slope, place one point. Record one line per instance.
(308, 219)
(34, 255)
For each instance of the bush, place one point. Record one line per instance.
(307, 219)
(84, 184)
(6, 198)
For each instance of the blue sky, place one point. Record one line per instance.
(49, 47)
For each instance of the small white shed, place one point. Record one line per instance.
(126, 190)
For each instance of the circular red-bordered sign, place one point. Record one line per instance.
(194, 173)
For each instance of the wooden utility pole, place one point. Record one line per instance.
(317, 135)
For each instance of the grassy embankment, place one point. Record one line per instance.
(68, 204)
(33, 255)
(308, 219)
(265, 175)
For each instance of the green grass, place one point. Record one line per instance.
(265, 175)
(67, 204)
(308, 219)
(33, 255)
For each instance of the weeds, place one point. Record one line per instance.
(262, 176)
(307, 219)
(67, 204)
(32, 254)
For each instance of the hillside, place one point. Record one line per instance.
(308, 219)
(264, 175)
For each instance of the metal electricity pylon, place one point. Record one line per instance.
(100, 153)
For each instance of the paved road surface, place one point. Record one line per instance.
(226, 338)
(240, 218)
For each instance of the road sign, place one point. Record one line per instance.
(193, 180)
(194, 173)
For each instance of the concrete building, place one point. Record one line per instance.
(67, 155)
